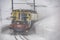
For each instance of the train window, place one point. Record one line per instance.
(24, 18)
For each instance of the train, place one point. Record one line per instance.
(21, 20)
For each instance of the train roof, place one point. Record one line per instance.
(25, 10)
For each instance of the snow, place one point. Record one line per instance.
(47, 27)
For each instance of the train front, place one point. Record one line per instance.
(21, 20)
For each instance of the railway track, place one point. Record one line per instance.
(22, 37)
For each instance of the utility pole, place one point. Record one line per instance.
(12, 5)
(34, 4)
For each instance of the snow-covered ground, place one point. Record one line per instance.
(48, 25)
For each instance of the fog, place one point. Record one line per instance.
(48, 25)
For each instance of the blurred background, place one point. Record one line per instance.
(48, 25)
